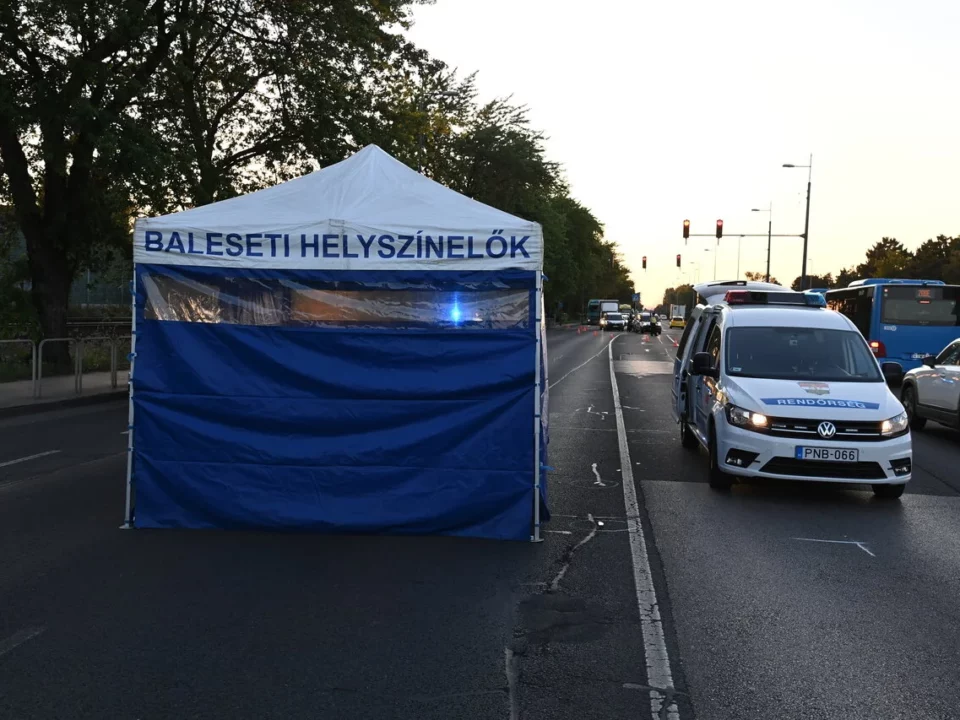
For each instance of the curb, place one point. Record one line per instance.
(81, 401)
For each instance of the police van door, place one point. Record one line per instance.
(682, 361)
(706, 387)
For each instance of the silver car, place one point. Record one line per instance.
(932, 391)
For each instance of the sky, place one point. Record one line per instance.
(661, 111)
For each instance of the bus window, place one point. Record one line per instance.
(856, 304)
(920, 305)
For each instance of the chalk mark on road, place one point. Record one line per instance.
(28, 457)
(19, 638)
(861, 545)
(655, 645)
(596, 474)
(568, 555)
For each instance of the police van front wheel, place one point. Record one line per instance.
(719, 480)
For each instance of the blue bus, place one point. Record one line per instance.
(902, 320)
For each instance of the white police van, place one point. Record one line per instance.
(774, 385)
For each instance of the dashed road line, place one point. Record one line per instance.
(19, 638)
(28, 457)
(592, 357)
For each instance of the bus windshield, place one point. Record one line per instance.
(788, 353)
(920, 305)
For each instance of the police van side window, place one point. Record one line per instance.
(707, 324)
(686, 334)
(713, 345)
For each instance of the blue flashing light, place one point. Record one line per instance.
(815, 299)
(456, 315)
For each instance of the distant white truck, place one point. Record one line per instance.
(678, 313)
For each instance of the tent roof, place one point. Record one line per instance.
(370, 192)
(370, 186)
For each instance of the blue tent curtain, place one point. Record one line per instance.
(376, 401)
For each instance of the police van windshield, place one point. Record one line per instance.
(786, 353)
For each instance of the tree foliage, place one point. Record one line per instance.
(118, 108)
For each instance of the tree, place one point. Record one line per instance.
(814, 281)
(112, 108)
(254, 92)
(680, 295)
(70, 72)
(845, 277)
(887, 258)
(759, 277)
(932, 258)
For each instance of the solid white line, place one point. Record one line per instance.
(660, 339)
(557, 382)
(655, 647)
(29, 457)
(19, 638)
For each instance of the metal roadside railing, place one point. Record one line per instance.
(78, 348)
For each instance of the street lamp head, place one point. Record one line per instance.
(789, 165)
(755, 210)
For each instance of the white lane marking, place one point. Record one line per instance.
(558, 532)
(593, 357)
(19, 638)
(510, 665)
(861, 545)
(655, 647)
(647, 349)
(596, 474)
(660, 339)
(29, 457)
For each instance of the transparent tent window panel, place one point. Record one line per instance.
(280, 302)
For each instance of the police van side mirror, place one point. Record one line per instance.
(930, 361)
(892, 373)
(702, 364)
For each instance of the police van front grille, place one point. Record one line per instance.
(824, 469)
(847, 430)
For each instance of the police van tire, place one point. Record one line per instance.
(687, 438)
(908, 396)
(719, 480)
(889, 492)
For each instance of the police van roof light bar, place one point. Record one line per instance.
(757, 297)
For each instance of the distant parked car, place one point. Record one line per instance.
(932, 391)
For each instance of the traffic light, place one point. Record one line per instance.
(719, 229)
(644, 262)
(686, 229)
(678, 259)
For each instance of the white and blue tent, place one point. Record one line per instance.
(357, 350)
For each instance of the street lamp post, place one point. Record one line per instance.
(806, 221)
(769, 212)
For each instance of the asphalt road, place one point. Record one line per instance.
(100, 622)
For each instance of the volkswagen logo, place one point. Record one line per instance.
(826, 430)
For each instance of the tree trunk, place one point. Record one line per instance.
(50, 293)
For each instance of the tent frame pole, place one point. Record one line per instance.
(128, 509)
(537, 408)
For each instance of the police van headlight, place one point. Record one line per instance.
(746, 419)
(895, 426)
